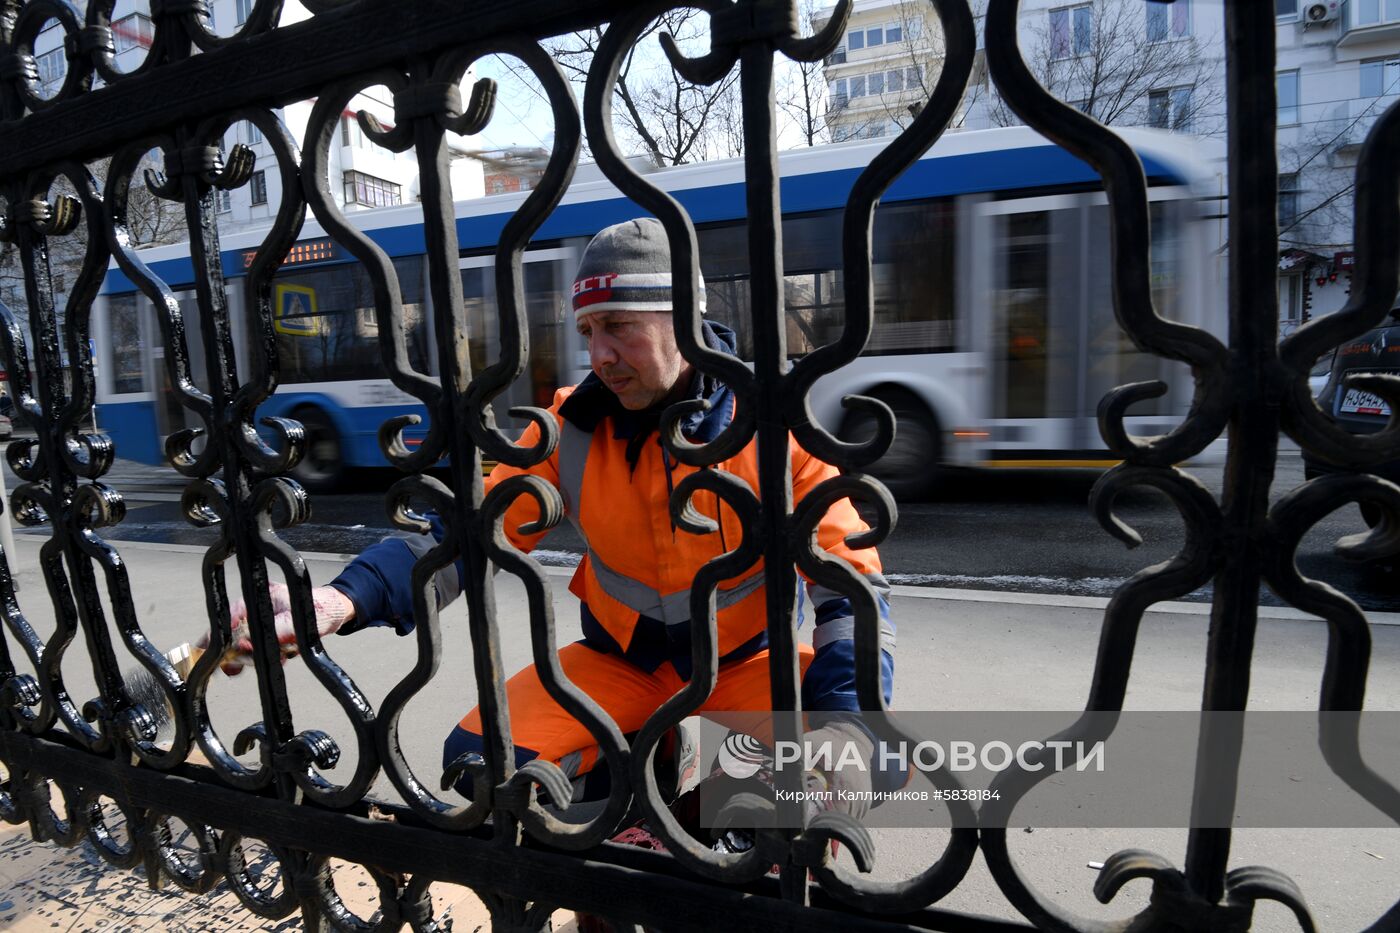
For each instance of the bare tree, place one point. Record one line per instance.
(660, 113)
(1316, 183)
(801, 89)
(803, 99)
(1113, 70)
(905, 79)
(151, 220)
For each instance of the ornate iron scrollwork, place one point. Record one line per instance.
(74, 767)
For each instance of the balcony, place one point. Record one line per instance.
(1369, 21)
(1354, 119)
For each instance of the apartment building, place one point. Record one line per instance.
(1338, 71)
(884, 68)
(1123, 62)
(362, 175)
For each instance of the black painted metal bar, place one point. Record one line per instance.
(293, 62)
(523, 859)
(1254, 425)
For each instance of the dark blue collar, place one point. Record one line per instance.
(591, 401)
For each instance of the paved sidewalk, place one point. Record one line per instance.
(44, 888)
(957, 650)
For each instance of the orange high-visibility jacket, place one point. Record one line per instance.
(634, 580)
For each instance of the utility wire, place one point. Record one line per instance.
(1347, 129)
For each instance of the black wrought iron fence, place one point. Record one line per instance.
(504, 844)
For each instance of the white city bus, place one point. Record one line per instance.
(994, 336)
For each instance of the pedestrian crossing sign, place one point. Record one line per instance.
(294, 311)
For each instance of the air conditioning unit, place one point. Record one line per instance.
(1320, 12)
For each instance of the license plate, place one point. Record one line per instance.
(1356, 402)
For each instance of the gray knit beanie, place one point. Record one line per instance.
(627, 267)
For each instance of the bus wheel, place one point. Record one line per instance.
(908, 467)
(321, 466)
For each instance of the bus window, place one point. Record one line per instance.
(171, 414)
(547, 291)
(124, 338)
(327, 328)
(727, 303)
(479, 309)
(1111, 357)
(548, 294)
(724, 264)
(914, 278)
(815, 304)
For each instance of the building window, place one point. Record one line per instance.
(253, 133)
(1287, 8)
(258, 186)
(1071, 30)
(875, 84)
(244, 9)
(134, 31)
(1287, 85)
(1170, 108)
(1288, 192)
(871, 36)
(51, 67)
(894, 81)
(914, 77)
(223, 201)
(1290, 299)
(1379, 76)
(857, 86)
(352, 135)
(837, 56)
(838, 94)
(1369, 11)
(374, 192)
(1168, 21)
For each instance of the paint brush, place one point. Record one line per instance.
(145, 688)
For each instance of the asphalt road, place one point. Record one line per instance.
(1016, 530)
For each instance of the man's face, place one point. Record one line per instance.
(634, 353)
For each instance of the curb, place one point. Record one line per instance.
(903, 591)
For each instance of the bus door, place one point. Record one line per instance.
(171, 416)
(1112, 359)
(550, 334)
(1034, 335)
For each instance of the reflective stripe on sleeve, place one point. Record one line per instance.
(844, 626)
